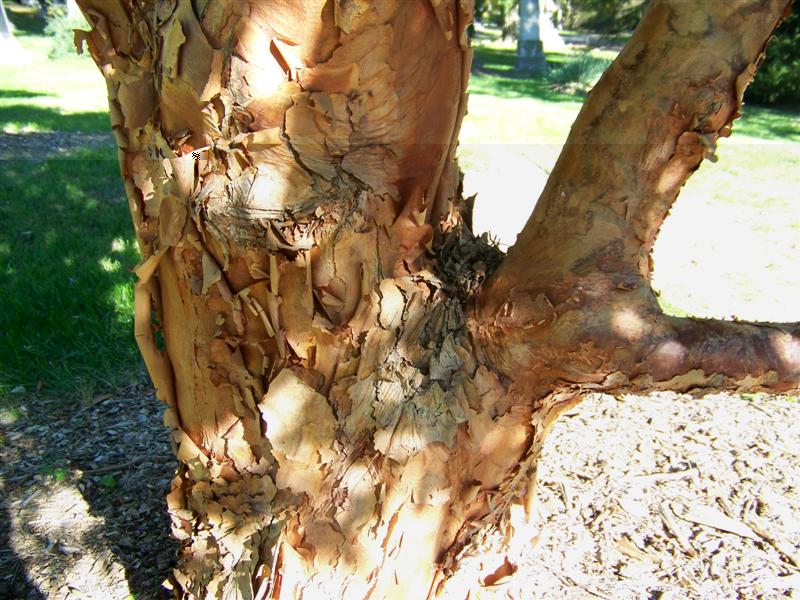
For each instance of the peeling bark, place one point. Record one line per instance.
(574, 292)
(352, 419)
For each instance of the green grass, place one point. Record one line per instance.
(769, 124)
(66, 248)
(27, 118)
(66, 241)
(65, 94)
(556, 102)
(493, 73)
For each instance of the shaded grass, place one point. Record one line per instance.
(66, 247)
(25, 94)
(16, 118)
(780, 124)
(493, 75)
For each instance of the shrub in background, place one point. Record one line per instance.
(578, 73)
(60, 28)
(778, 79)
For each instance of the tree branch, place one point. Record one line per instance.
(648, 124)
(595, 335)
(571, 305)
(708, 353)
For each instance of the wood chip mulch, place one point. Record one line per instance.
(82, 513)
(662, 497)
(669, 497)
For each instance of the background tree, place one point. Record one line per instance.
(10, 50)
(356, 412)
(530, 50)
(6, 29)
(495, 12)
(504, 14)
(601, 16)
(779, 78)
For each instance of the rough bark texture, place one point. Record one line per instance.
(352, 418)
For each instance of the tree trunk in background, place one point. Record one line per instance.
(551, 39)
(355, 415)
(73, 10)
(6, 30)
(11, 52)
(530, 51)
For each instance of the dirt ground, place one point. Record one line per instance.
(665, 496)
(82, 513)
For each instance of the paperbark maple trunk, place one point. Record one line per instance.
(354, 415)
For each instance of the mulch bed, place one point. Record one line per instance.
(669, 496)
(83, 512)
(663, 496)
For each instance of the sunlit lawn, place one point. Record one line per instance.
(66, 94)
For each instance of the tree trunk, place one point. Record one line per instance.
(530, 50)
(11, 52)
(355, 415)
(551, 39)
(6, 30)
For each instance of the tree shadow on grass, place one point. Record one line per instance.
(23, 117)
(21, 94)
(66, 247)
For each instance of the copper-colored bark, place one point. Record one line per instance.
(576, 283)
(351, 420)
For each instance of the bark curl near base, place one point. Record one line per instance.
(344, 413)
